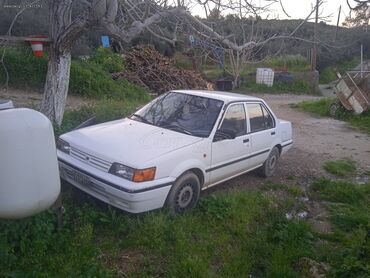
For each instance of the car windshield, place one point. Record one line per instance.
(189, 114)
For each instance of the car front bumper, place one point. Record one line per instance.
(121, 194)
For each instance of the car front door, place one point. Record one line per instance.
(228, 153)
(262, 128)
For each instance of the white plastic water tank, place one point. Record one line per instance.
(6, 104)
(29, 174)
(265, 76)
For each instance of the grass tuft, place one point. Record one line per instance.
(321, 108)
(341, 168)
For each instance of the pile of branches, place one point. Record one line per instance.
(149, 69)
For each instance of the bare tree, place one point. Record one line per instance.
(123, 21)
(242, 48)
(359, 14)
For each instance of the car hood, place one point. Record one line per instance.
(128, 142)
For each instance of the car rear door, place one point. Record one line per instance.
(229, 155)
(262, 128)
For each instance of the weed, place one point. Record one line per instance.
(341, 168)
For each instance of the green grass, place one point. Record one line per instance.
(347, 249)
(89, 77)
(23, 68)
(318, 107)
(341, 168)
(321, 108)
(297, 86)
(233, 234)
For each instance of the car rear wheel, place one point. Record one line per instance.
(184, 194)
(269, 167)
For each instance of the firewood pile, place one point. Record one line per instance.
(149, 69)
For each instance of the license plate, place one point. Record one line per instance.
(81, 179)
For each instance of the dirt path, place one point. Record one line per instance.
(316, 140)
(32, 98)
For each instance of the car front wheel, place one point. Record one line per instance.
(269, 167)
(184, 194)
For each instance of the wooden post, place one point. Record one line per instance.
(336, 29)
(314, 50)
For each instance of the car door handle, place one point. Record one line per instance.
(272, 133)
(245, 140)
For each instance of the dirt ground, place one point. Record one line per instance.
(316, 139)
(32, 98)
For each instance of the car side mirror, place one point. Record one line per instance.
(224, 134)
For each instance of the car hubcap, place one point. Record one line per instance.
(185, 196)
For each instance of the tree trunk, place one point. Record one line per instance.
(57, 78)
(56, 85)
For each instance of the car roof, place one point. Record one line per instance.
(219, 95)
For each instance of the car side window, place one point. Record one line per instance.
(256, 117)
(259, 117)
(235, 120)
(269, 121)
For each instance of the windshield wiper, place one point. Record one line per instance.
(144, 120)
(176, 127)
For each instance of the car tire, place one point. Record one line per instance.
(269, 166)
(184, 194)
(333, 109)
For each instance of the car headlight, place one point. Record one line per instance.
(136, 175)
(63, 146)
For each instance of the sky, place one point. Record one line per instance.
(301, 8)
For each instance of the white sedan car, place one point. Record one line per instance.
(177, 145)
